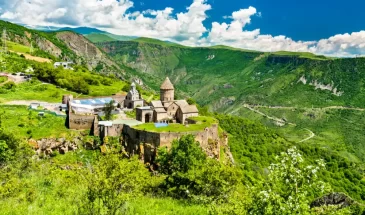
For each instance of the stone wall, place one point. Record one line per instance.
(80, 122)
(95, 128)
(145, 143)
(115, 130)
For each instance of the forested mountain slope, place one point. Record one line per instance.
(314, 98)
(223, 77)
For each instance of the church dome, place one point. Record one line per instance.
(167, 85)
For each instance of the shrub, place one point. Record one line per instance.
(9, 85)
(190, 174)
(112, 182)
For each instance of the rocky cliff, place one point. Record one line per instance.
(86, 51)
(62, 46)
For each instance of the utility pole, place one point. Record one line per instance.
(4, 49)
(86, 51)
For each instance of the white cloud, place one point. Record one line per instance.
(185, 27)
(58, 13)
(234, 34)
(343, 44)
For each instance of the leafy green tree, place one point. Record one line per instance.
(126, 87)
(9, 145)
(106, 81)
(191, 101)
(108, 108)
(236, 202)
(10, 85)
(112, 182)
(190, 174)
(184, 155)
(5, 152)
(290, 186)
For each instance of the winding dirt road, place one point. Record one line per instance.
(282, 122)
(308, 138)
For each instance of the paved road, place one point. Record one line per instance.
(15, 78)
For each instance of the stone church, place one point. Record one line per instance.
(133, 99)
(167, 109)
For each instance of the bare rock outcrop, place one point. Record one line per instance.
(48, 46)
(318, 85)
(336, 199)
(84, 49)
(21, 40)
(47, 146)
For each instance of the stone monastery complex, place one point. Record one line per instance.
(166, 109)
(86, 114)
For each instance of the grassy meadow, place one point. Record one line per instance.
(34, 90)
(102, 90)
(16, 47)
(202, 123)
(97, 38)
(27, 124)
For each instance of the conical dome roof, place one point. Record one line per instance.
(167, 85)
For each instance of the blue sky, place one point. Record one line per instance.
(298, 19)
(334, 28)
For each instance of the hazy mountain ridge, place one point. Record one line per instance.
(252, 77)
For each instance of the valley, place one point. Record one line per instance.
(265, 105)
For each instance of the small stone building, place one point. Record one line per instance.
(166, 109)
(185, 112)
(133, 98)
(144, 114)
(65, 65)
(160, 115)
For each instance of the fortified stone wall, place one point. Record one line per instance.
(145, 143)
(115, 130)
(80, 122)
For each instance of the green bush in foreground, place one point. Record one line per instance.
(112, 182)
(191, 175)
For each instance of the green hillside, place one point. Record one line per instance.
(157, 42)
(58, 46)
(16, 47)
(226, 79)
(121, 37)
(231, 77)
(97, 38)
(265, 103)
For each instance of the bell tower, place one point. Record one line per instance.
(167, 91)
